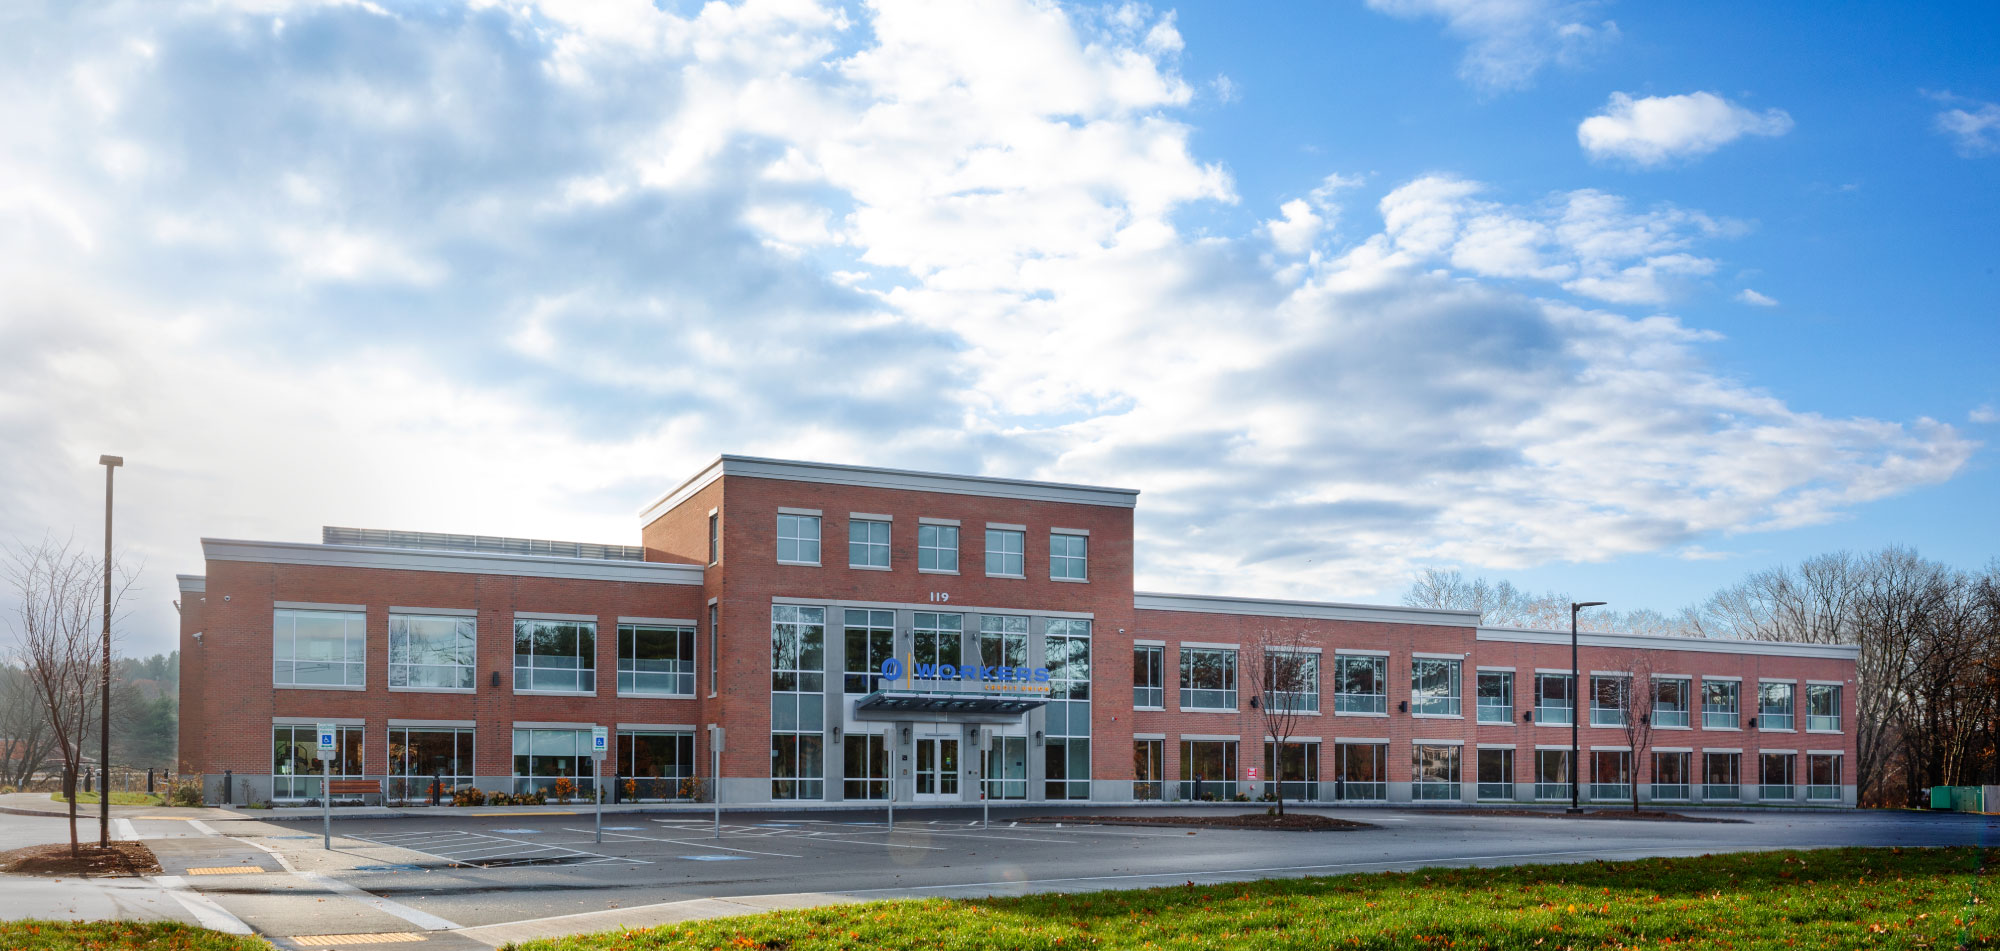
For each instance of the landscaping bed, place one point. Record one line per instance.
(36, 935)
(121, 859)
(1290, 822)
(1834, 898)
(1647, 815)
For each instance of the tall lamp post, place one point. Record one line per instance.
(1575, 706)
(110, 464)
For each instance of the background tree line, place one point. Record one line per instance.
(1928, 676)
(145, 719)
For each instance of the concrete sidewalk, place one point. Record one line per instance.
(39, 804)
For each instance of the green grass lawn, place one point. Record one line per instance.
(1836, 898)
(117, 798)
(33, 935)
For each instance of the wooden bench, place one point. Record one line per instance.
(353, 787)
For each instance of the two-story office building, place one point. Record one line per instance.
(861, 634)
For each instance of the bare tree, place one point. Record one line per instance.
(57, 637)
(1284, 683)
(1641, 697)
(1501, 604)
(26, 742)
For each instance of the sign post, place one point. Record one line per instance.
(599, 748)
(715, 774)
(325, 752)
(985, 804)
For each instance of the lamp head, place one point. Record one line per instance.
(112, 461)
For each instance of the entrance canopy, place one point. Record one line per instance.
(958, 707)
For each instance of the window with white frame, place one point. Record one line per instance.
(798, 539)
(1066, 748)
(871, 639)
(295, 765)
(1719, 709)
(1208, 678)
(1719, 776)
(655, 765)
(1003, 640)
(418, 754)
(319, 648)
(1774, 705)
(655, 661)
(1003, 553)
(1149, 676)
(427, 651)
(1069, 557)
(937, 548)
(798, 704)
(1610, 698)
(555, 762)
(555, 655)
(1774, 775)
(938, 641)
(1671, 697)
(1434, 771)
(714, 538)
(1434, 687)
(1360, 684)
(1293, 681)
(1823, 708)
(1555, 699)
(867, 543)
(1496, 696)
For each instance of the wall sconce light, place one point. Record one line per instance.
(1753, 723)
(1402, 706)
(906, 733)
(1527, 716)
(1646, 719)
(836, 733)
(1253, 703)
(496, 678)
(1038, 736)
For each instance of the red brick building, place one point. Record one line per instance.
(860, 633)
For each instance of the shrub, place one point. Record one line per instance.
(690, 788)
(563, 789)
(468, 796)
(186, 792)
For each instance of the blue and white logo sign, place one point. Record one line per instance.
(892, 670)
(599, 741)
(326, 732)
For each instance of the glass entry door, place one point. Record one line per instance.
(937, 767)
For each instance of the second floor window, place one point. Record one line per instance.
(319, 648)
(1292, 681)
(1496, 696)
(555, 655)
(937, 548)
(1003, 553)
(655, 661)
(1719, 704)
(939, 640)
(1434, 687)
(798, 539)
(1360, 684)
(1823, 707)
(867, 544)
(1670, 701)
(426, 651)
(1774, 705)
(1069, 557)
(1555, 699)
(1148, 683)
(871, 639)
(1608, 700)
(714, 538)
(1208, 678)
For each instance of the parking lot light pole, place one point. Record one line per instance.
(1575, 707)
(110, 464)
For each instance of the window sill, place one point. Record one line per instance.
(554, 693)
(655, 696)
(1769, 730)
(1657, 726)
(1607, 726)
(1208, 709)
(936, 571)
(1072, 580)
(1826, 732)
(1149, 709)
(394, 689)
(1438, 716)
(1562, 726)
(1495, 722)
(1011, 577)
(870, 568)
(1722, 729)
(346, 687)
(1359, 713)
(799, 564)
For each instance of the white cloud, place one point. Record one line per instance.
(1509, 41)
(1658, 129)
(1755, 299)
(586, 256)
(1985, 413)
(1975, 131)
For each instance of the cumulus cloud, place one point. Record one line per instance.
(565, 254)
(1754, 299)
(1972, 125)
(1659, 129)
(1984, 413)
(1509, 41)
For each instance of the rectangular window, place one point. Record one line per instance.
(655, 661)
(1007, 768)
(1149, 677)
(1496, 696)
(1208, 770)
(1823, 708)
(555, 763)
(1434, 687)
(1611, 775)
(714, 538)
(864, 766)
(1552, 775)
(1148, 770)
(867, 544)
(556, 656)
(1208, 679)
(1068, 557)
(937, 548)
(1719, 776)
(1292, 681)
(1066, 767)
(939, 642)
(1555, 699)
(1823, 777)
(798, 702)
(1496, 774)
(295, 765)
(714, 645)
(871, 639)
(1718, 704)
(1066, 652)
(1003, 640)
(1774, 775)
(655, 766)
(319, 648)
(1003, 553)
(1671, 775)
(1434, 772)
(798, 539)
(1671, 696)
(1294, 768)
(1774, 705)
(1609, 699)
(1361, 684)
(418, 754)
(434, 652)
(1361, 772)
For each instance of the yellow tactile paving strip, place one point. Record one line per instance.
(335, 940)
(227, 870)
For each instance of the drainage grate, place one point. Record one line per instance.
(339, 940)
(226, 870)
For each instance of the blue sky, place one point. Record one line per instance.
(1624, 300)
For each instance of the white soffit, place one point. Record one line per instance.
(788, 470)
(457, 562)
(1707, 645)
(1315, 610)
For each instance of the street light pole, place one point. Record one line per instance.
(1575, 707)
(110, 464)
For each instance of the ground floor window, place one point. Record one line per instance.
(1007, 768)
(798, 765)
(656, 765)
(864, 766)
(1147, 769)
(555, 763)
(1774, 775)
(1496, 774)
(1361, 771)
(417, 754)
(1611, 774)
(1208, 769)
(1295, 769)
(1671, 774)
(1434, 772)
(1719, 777)
(1823, 776)
(1066, 767)
(295, 765)
(1552, 774)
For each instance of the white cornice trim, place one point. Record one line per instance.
(789, 470)
(193, 584)
(1705, 645)
(457, 562)
(1318, 610)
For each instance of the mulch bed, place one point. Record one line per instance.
(1289, 822)
(1650, 815)
(121, 859)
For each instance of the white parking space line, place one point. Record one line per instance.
(493, 851)
(422, 919)
(123, 830)
(202, 827)
(204, 909)
(696, 844)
